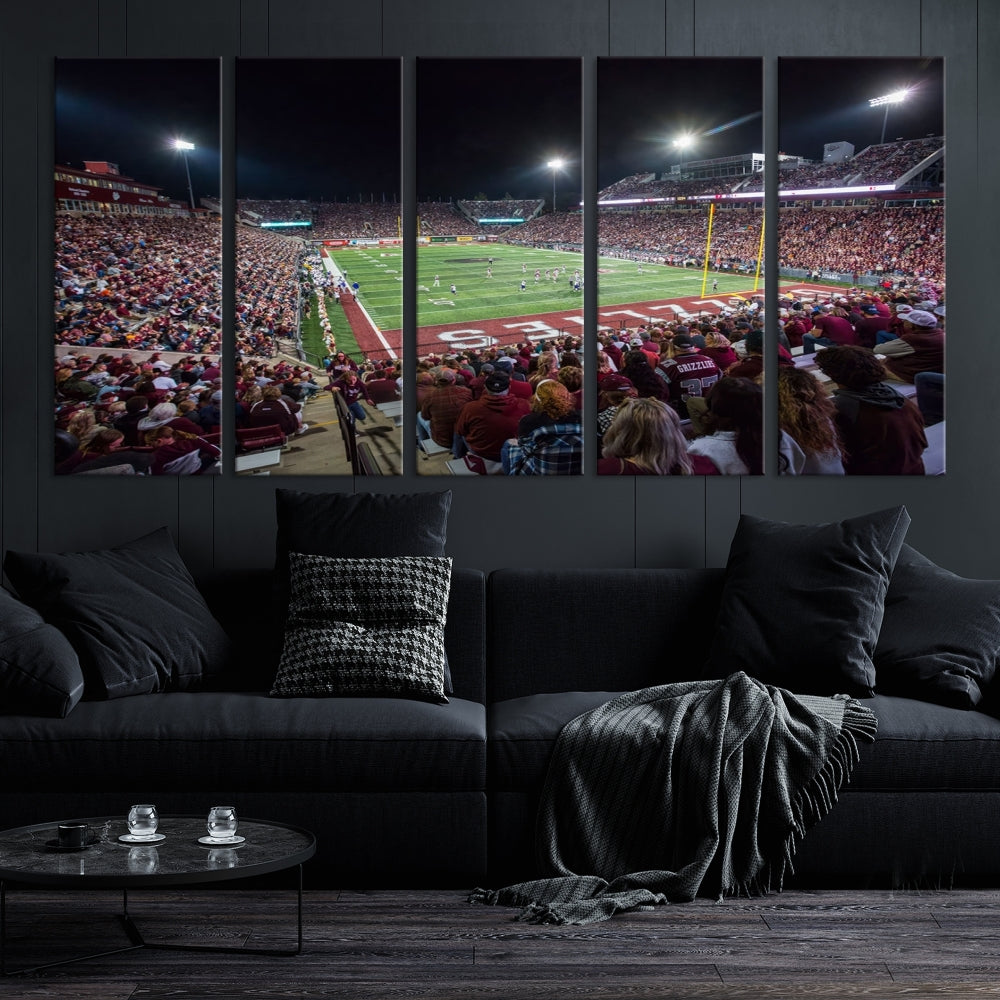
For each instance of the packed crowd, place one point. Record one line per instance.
(268, 289)
(879, 164)
(648, 186)
(903, 241)
(670, 390)
(506, 208)
(681, 398)
(142, 282)
(115, 413)
(275, 210)
(506, 411)
(557, 229)
(906, 241)
(675, 236)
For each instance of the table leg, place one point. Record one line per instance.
(46, 965)
(135, 935)
(137, 941)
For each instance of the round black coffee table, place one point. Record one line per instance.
(177, 860)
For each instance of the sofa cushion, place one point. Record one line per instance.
(133, 614)
(928, 748)
(522, 733)
(355, 525)
(233, 742)
(365, 627)
(802, 604)
(39, 670)
(940, 637)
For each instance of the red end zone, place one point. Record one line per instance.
(454, 337)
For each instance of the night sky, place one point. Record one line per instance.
(128, 110)
(490, 126)
(331, 128)
(826, 100)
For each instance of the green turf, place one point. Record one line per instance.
(378, 272)
(314, 339)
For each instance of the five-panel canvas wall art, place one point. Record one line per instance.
(291, 361)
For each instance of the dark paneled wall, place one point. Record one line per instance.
(229, 521)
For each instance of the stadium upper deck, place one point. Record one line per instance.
(890, 163)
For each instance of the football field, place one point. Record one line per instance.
(504, 301)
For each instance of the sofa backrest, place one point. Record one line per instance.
(243, 603)
(597, 629)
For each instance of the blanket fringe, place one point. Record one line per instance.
(814, 800)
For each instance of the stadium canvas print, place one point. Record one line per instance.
(137, 248)
(681, 293)
(499, 367)
(861, 370)
(319, 267)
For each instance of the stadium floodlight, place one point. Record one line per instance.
(555, 165)
(184, 147)
(684, 142)
(887, 101)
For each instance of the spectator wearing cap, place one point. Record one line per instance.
(882, 432)
(689, 373)
(476, 384)
(519, 384)
(829, 328)
(485, 423)
(870, 325)
(442, 405)
(919, 348)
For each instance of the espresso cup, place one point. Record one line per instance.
(73, 835)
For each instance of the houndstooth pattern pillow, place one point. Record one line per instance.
(365, 627)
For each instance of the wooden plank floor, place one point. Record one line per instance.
(841, 944)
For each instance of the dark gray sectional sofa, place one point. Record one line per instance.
(404, 792)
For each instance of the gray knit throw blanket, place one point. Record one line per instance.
(697, 788)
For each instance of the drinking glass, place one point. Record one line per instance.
(222, 822)
(143, 820)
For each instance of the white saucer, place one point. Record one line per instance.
(149, 838)
(221, 841)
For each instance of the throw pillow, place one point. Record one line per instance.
(940, 638)
(133, 614)
(365, 627)
(802, 603)
(39, 670)
(361, 525)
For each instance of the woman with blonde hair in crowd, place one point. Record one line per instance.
(806, 413)
(719, 349)
(547, 366)
(645, 439)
